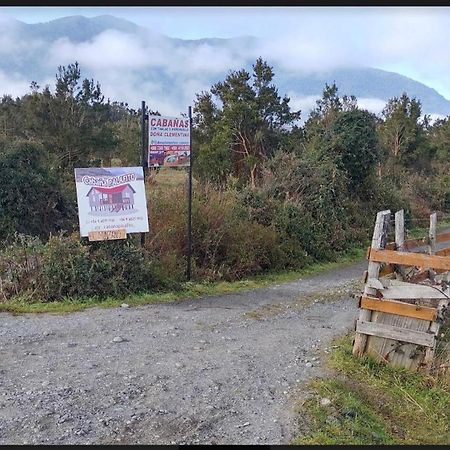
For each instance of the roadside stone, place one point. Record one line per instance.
(124, 305)
(325, 401)
(332, 420)
(377, 436)
(118, 339)
(308, 364)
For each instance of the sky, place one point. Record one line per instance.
(412, 41)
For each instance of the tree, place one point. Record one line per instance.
(247, 126)
(327, 109)
(439, 137)
(73, 124)
(317, 130)
(355, 144)
(399, 133)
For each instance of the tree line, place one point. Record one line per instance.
(310, 185)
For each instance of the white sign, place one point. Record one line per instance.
(169, 141)
(111, 198)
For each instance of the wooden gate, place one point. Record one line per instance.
(406, 296)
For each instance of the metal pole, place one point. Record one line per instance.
(189, 225)
(143, 153)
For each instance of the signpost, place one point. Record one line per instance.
(144, 162)
(189, 227)
(170, 145)
(111, 200)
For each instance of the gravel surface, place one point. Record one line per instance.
(225, 369)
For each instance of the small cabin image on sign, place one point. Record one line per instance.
(111, 198)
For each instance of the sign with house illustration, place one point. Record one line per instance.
(111, 199)
(169, 141)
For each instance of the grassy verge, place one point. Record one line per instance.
(370, 403)
(188, 290)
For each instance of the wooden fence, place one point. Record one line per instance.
(406, 295)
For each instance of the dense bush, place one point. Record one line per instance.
(166, 240)
(306, 200)
(21, 267)
(33, 201)
(226, 243)
(65, 267)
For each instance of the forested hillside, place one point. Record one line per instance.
(270, 194)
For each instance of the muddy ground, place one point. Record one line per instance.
(228, 369)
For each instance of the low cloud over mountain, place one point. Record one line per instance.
(132, 64)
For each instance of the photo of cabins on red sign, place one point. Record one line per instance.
(111, 198)
(169, 158)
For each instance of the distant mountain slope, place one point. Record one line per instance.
(30, 61)
(76, 28)
(368, 82)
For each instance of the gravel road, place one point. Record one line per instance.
(226, 369)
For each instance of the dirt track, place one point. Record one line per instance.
(217, 370)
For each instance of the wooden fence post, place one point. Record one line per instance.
(379, 240)
(432, 234)
(400, 230)
(435, 326)
(400, 240)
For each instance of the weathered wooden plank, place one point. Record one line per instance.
(409, 244)
(443, 251)
(386, 270)
(434, 328)
(396, 289)
(389, 268)
(409, 259)
(396, 333)
(399, 308)
(379, 239)
(398, 354)
(443, 237)
(106, 235)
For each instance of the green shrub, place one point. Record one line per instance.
(167, 239)
(65, 267)
(227, 243)
(21, 267)
(305, 199)
(120, 268)
(33, 201)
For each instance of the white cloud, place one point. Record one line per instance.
(434, 117)
(303, 103)
(109, 50)
(374, 105)
(13, 84)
